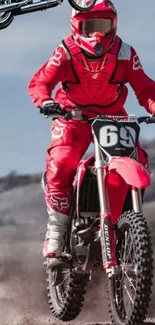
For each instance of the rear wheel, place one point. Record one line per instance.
(65, 288)
(6, 18)
(130, 290)
(66, 292)
(82, 5)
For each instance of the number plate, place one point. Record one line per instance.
(116, 138)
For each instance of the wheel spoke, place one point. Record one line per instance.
(130, 247)
(61, 288)
(129, 280)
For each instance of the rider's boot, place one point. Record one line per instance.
(55, 236)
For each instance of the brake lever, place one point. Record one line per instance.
(68, 115)
(75, 113)
(150, 119)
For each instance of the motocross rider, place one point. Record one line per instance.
(93, 66)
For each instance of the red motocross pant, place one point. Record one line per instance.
(69, 141)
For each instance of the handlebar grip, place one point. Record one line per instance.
(64, 112)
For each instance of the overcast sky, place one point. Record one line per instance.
(25, 45)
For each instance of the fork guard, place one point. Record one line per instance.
(131, 171)
(25, 6)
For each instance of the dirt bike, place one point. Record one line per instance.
(107, 228)
(11, 8)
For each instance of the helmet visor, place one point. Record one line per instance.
(96, 25)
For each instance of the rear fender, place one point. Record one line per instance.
(133, 173)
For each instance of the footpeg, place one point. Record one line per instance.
(62, 261)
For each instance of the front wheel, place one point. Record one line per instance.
(82, 5)
(130, 289)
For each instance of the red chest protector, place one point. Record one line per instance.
(91, 84)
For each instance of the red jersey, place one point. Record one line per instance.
(94, 84)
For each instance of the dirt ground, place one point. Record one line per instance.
(22, 276)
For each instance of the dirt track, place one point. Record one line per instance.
(22, 282)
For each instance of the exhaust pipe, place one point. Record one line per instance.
(24, 6)
(40, 5)
(12, 6)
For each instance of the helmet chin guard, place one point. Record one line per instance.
(98, 49)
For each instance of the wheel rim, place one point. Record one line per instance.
(4, 15)
(125, 284)
(59, 289)
(82, 5)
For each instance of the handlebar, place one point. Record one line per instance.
(77, 113)
(146, 119)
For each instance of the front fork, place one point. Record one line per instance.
(106, 225)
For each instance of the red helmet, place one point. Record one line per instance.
(95, 30)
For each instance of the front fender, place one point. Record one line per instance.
(131, 171)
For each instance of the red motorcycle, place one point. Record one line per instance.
(107, 227)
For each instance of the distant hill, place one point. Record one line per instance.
(13, 180)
